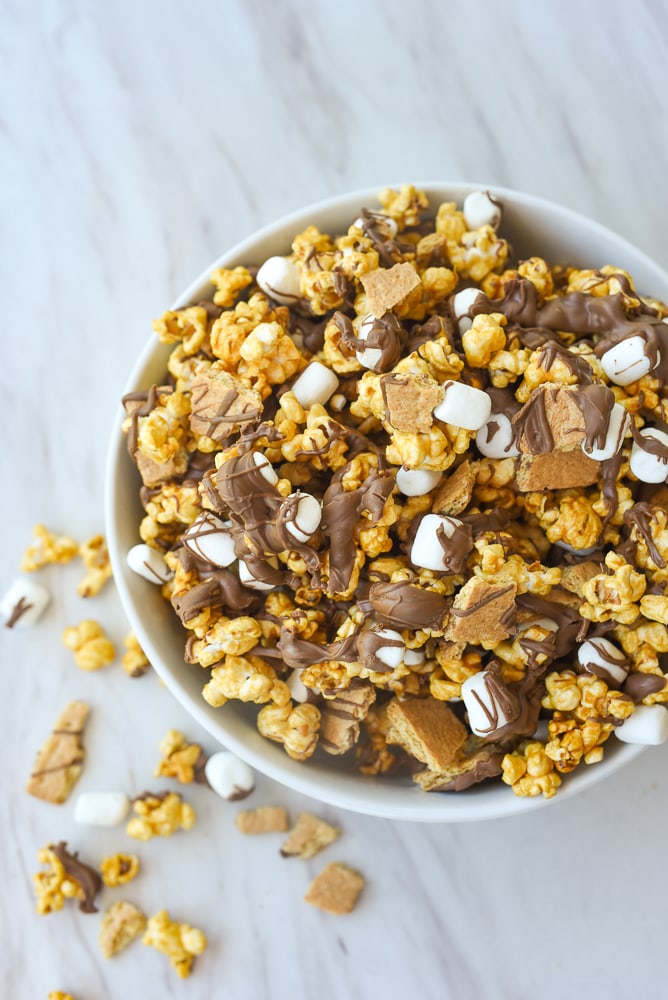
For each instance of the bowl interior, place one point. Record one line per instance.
(533, 226)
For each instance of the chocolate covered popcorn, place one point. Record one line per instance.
(407, 497)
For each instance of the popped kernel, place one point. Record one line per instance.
(134, 659)
(47, 547)
(295, 727)
(159, 816)
(181, 943)
(529, 771)
(119, 869)
(95, 556)
(180, 760)
(91, 646)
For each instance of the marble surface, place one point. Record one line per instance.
(139, 141)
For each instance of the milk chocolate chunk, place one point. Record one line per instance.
(482, 613)
(427, 729)
(405, 605)
(639, 685)
(386, 287)
(221, 405)
(86, 877)
(60, 762)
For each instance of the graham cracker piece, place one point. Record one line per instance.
(121, 924)
(454, 495)
(573, 578)
(555, 406)
(466, 770)
(59, 763)
(410, 401)
(427, 729)
(265, 819)
(308, 837)
(386, 287)
(482, 612)
(336, 889)
(221, 405)
(340, 720)
(556, 470)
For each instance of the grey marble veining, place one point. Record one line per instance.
(138, 141)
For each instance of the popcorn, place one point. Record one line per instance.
(181, 943)
(119, 869)
(400, 483)
(68, 878)
(91, 647)
(159, 816)
(95, 556)
(48, 548)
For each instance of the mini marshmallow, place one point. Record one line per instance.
(338, 402)
(480, 209)
(414, 657)
(265, 467)
(417, 482)
(385, 224)
(298, 690)
(391, 656)
(209, 538)
(426, 550)
(248, 580)
(485, 713)
(101, 808)
(307, 516)
(495, 439)
(279, 279)
(646, 467)
(461, 304)
(24, 603)
(315, 384)
(648, 726)
(230, 777)
(149, 563)
(614, 438)
(600, 652)
(370, 356)
(627, 361)
(464, 406)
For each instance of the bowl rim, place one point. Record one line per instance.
(415, 805)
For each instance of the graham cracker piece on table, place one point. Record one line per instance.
(265, 819)
(386, 287)
(482, 612)
(410, 401)
(308, 837)
(427, 729)
(59, 763)
(454, 495)
(336, 889)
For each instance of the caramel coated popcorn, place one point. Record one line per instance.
(66, 877)
(181, 943)
(409, 494)
(46, 548)
(118, 869)
(159, 815)
(91, 646)
(181, 760)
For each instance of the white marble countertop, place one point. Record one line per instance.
(138, 142)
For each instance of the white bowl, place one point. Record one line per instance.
(533, 226)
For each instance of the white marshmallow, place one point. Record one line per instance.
(315, 384)
(426, 550)
(461, 304)
(101, 808)
(614, 438)
(414, 657)
(279, 279)
(648, 726)
(149, 563)
(391, 656)
(496, 441)
(265, 467)
(581, 552)
(298, 690)
(480, 209)
(230, 777)
(627, 361)
(464, 406)
(387, 226)
(481, 705)
(24, 603)
(599, 652)
(338, 402)
(370, 356)
(307, 516)
(248, 580)
(646, 467)
(209, 538)
(417, 482)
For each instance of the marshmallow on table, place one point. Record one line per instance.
(648, 726)
(464, 406)
(149, 563)
(628, 361)
(279, 279)
(603, 654)
(496, 437)
(645, 466)
(617, 427)
(209, 538)
(480, 209)
(426, 550)
(315, 384)
(462, 302)
(417, 482)
(24, 603)
(229, 776)
(101, 808)
(307, 516)
(486, 713)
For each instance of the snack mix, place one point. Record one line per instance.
(406, 496)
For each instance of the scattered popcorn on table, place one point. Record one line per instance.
(59, 763)
(46, 548)
(92, 648)
(181, 943)
(95, 556)
(68, 878)
(180, 760)
(119, 869)
(134, 659)
(159, 815)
